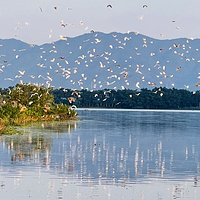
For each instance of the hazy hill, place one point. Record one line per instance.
(98, 60)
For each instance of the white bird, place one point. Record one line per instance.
(9, 79)
(141, 17)
(30, 102)
(137, 85)
(21, 72)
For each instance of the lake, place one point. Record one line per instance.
(106, 154)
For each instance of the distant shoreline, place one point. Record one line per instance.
(136, 110)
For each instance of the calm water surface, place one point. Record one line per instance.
(107, 154)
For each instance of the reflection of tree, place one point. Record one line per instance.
(61, 127)
(28, 146)
(36, 145)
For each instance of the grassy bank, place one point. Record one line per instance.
(30, 103)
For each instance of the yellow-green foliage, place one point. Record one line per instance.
(31, 95)
(27, 102)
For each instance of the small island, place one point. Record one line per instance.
(25, 103)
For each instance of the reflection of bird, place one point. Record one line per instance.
(195, 180)
(13, 158)
(109, 6)
(2, 185)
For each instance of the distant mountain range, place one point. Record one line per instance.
(97, 61)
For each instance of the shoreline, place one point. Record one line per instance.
(136, 110)
(10, 129)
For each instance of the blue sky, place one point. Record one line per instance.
(39, 22)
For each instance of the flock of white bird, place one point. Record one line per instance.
(60, 65)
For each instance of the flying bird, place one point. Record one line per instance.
(178, 68)
(126, 74)
(64, 25)
(63, 37)
(21, 72)
(109, 6)
(176, 45)
(40, 9)
(141, 17)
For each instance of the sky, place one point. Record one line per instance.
(45, 21)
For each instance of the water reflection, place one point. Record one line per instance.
(131, 150)
(60, 127)
(35, 145)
